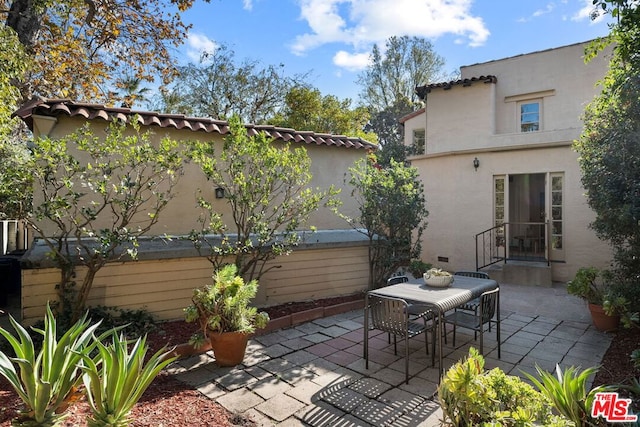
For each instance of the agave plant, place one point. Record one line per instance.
(47, 381)
(116, 378)
(569, 393)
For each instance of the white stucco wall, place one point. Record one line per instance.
(560, 76)
(482, 121)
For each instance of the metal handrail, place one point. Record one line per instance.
(529, 240)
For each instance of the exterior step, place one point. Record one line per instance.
(522, 273)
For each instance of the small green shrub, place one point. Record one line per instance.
(471, 396)
(224, 306)
(418, 268)
(133, 323)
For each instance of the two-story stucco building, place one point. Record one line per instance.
(501, 178)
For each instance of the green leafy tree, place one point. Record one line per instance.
(131, 90)
(266, 185)
(169, 100)
(77, 45)
(75, 49)
(388, 87)
(392, 214)
(390, 132)
(306, 109)
(219, 87)
(98, 196)
(609, 148)
(15, 181)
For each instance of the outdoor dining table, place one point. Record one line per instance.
(440, 300)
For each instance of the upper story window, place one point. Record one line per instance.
(419, 140)
(529, 116)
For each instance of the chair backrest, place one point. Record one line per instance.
(397, 279)
(388, 314)
(488, 304)
(476, 274)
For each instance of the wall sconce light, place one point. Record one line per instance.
(476, 163)
(219, 193)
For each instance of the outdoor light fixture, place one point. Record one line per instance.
(476, 163)
(219, 193)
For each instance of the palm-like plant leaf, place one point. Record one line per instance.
(116, 379)
(46, 380)
(568, 392)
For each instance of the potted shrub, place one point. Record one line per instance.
(224, 315)
(604, 302)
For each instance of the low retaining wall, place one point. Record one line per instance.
(162, 281)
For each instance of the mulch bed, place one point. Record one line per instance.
(169, 402)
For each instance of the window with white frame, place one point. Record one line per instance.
(419, 140)
(529, 115)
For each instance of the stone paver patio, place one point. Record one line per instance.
(314, 374)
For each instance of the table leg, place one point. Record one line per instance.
(440, 322)
(366, 331)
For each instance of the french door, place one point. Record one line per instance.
(532, 205)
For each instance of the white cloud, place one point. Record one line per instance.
(550, 7)
(351, 61)
(247, 4)
(360, 23)
(588, 11)
(538, 13)
(199, 44)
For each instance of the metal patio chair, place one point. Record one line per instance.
(488, 308)
(415, 310)
(473, 304)
(391, 315)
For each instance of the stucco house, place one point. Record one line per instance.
(331, 261)
(501, 179)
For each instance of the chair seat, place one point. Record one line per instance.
(420, 310)
(471, 305)
(464, 319)
(415, 328)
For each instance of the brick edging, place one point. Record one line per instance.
(309, 315)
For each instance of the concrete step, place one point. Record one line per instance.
(522, 273)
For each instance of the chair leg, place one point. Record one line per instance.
(395, 345)
(366, 348)
(481, 340)
(426, 340)
(498, 335)
(454, 335)
(406, 357)
(433, 345)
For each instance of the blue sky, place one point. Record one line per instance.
(332, 39)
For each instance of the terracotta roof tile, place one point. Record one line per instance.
(422, 91)
(411, 115)
(54, 107)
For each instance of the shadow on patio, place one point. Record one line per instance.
(314, 374)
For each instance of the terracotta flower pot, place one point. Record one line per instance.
(228, 347)
(601, 320)
(187, 350)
